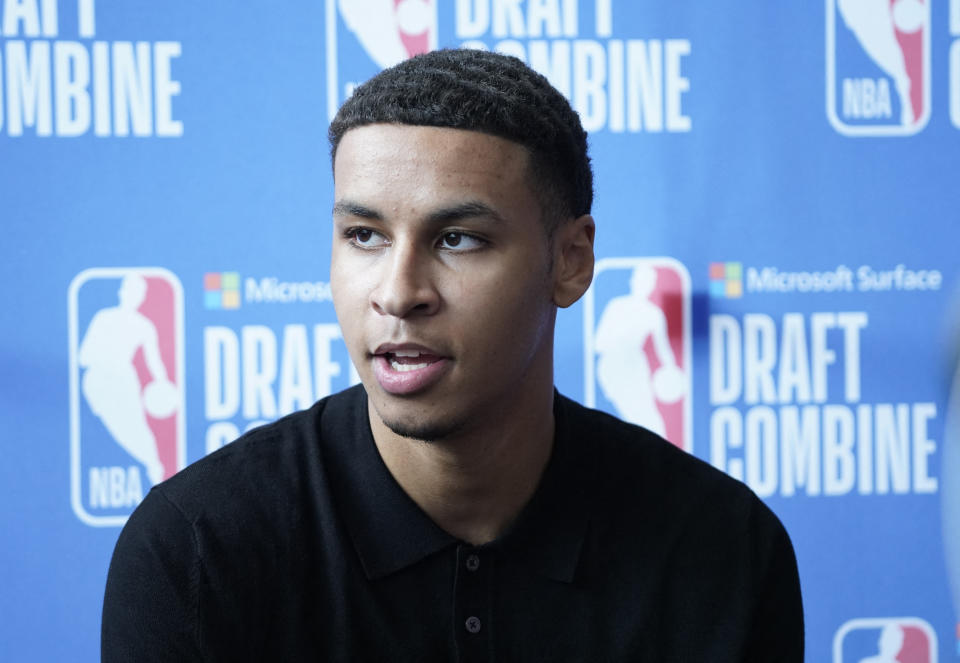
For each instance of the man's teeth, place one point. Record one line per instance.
(407, 367)
(404, 367)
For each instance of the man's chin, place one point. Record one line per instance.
(425, 431)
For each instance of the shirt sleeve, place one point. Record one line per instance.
(777, 633)
(150, 602)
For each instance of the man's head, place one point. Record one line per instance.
(492, 94)
(444, 287)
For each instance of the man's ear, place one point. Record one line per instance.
(573, 260)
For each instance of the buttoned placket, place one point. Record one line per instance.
(472, 621)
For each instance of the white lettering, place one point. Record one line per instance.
(115, 487)
(165, 88)
(794, 377)
(590, 76)
(761, 451)
(71, 71)
(864, 450)
(473, 18)
(604, 17)
(838, 461)
(272, 290)
(821, 355)
(131, 89)
(296, 390)
(893, 435)
(726, 432)
(324, 368)
(543, 17)
(21, 17)
(800, 449)
(866, 98)
(552, 59)
(725, 361)
(759, 356)
(676, 85)
(852, 323)
(644, 85)
(259, 352)
(221, 353)
(617, 121)
(86, 17)
(28, 88)
(923, 447)
(508, 19)
(101, 89)
(770, 279)
(898, 278)
(893, 461)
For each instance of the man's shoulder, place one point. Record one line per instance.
(636, 468)
(273, 458)
(624, 448)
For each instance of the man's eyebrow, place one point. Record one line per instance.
(349, 208)
(466, 210)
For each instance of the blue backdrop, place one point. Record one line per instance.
(777, 224)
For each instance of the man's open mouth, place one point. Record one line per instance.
(409, 360)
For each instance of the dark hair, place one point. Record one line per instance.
(490, 93)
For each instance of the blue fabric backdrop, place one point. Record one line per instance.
(782, 177)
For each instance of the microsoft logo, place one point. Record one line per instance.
(726, 279)
(221, 290)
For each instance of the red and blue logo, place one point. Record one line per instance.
(366, 36)
(878, 66)
(126, 388)
(637, 345)
(885, 640)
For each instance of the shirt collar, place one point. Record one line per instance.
(548, 534)
(390, 532)
(388, 529)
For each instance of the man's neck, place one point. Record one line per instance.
(473, 485)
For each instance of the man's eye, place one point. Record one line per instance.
(365, 237)
(457, 241)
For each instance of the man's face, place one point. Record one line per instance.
(441, 276)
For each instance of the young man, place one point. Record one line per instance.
(454, 506)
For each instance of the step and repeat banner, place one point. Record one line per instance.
(777, 236)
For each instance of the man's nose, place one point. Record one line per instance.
(405, 286)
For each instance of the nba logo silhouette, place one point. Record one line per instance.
(885, 640)
(365, 36)
(126, 388)
(878, 66)
(637, 356)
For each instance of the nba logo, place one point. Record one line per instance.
(637, 356)
(878, 66)
(885, 640)
(126, 388)
(365, 36)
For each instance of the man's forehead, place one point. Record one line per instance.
(427, 139)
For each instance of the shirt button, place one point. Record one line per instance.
(473, 563)
(473, 624)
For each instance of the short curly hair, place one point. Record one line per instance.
(490, 93)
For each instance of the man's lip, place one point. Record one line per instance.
(385, 348)
(417, 378)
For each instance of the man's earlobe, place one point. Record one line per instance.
(574, 260)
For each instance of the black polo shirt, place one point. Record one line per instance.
(295, 543)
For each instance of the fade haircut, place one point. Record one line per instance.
(493, 94)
